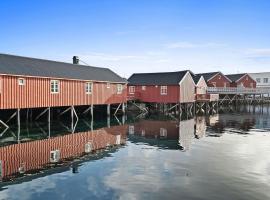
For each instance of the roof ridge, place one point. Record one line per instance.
(161, 72)
(41, 59)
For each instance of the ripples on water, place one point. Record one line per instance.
(221, 156)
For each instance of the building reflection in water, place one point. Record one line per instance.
(36, 155)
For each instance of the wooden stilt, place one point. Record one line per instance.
(108, 110)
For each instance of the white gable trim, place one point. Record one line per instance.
(187, 73)
(200, 80)
(221, 74)
(245, 75)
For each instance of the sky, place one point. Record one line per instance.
(133, 36)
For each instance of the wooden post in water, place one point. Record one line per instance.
(108, 110)
(49, 122)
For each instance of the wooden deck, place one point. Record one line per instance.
(237, 90)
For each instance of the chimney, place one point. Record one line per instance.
(75, 60)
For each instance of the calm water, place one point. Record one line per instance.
(221, 156)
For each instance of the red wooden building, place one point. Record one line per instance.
(216, 79)
(166, 87)
(242, 80)
(37, 83)
(201, 90)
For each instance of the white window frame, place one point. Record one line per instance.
(55, 156)
(252, 85)
(131, 89)
(258, 80)
(108, 85)
(163, 90)
(55, 86)
(163, 132)
(88, 87)
(119, 89)
(265, 80)
(144, 87)
(131, 130)
(21, 81)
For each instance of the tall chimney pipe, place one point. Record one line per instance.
(75, 60)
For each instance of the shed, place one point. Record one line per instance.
(163, 87)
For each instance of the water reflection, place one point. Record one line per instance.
(29, 156)
(163, 158)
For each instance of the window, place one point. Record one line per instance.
(108, 85)
(265, 80)
(118, 140)
(251, 85)
(119, 88)
(21, 81)
(143, 133)
(246, 78)
(55, 156)
(88, 87)
(131, 130)
(143, 87)
(54, 86)
(88, 147)
(131, 89)
(163, 90)
(163, 132)
(258, 80)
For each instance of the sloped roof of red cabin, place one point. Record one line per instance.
(210, 75)
(25, 66)
(161, 78)
(236, 77)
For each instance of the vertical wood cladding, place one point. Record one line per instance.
(36, 92)
(152, 94)
(246, 81)
(219, 80)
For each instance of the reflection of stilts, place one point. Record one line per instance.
(19, 125)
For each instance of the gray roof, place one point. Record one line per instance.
(18, 65)
(196, 78)
(162, 78)
(208, 75)
(235, 77)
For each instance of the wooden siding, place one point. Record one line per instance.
(152, 94)
(218, 80)
(187, 89)
(36, 154)
(201, 87)
(246, 81)
(37, 93)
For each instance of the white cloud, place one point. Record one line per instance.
(190, 45)
(258, 53)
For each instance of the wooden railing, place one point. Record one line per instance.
(238, 90)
